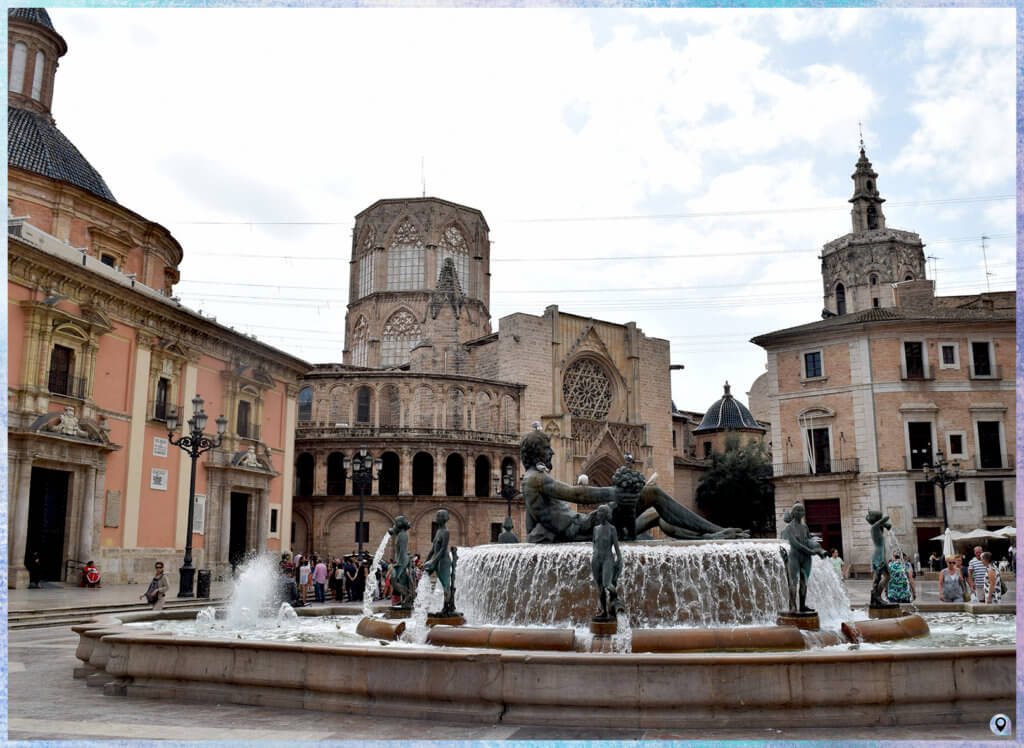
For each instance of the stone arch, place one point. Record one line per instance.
(453, 242)
(456, 409)
(423, 474)
(482, 483)
(367, 239)
(336, 474)
(360, 341)
(483, 416)
(306, 404)
(509, 415)
(391, 468)
(340, 531)
(840, 292)
(600, 469)
(421, 523)
(423, 407)
(303, 534)
(364, 405)
(304, 465)
(390, 407)
(338, 405)
(454, 475)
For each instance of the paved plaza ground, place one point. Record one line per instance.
(45, 703)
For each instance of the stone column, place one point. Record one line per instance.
(262, 521)
(18, 536)
(225, 525)
(468, 475)
(319, 474)
(405, 472)
(440, 473)
(87, 515)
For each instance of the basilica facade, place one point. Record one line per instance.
(427, 386)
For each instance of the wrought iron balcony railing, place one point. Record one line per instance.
(832, 467)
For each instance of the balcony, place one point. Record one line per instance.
(60, 383)
(915, 374)
(986, 371)
(996, 461)
(414, 433)
(249, 431)
(158, 410)
(836, 467)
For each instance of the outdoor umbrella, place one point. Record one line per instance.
(979, 534)
(1007, 532)
(947, 543)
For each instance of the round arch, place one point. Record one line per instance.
(423, 474)
(304, 464)
(454, 475)
(482, 483)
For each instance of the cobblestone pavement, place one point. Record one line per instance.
(45, 703)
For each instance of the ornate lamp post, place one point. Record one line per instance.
(364, 470)
(508, 488)
(941, 477)
(194, 443)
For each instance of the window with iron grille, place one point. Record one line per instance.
(160, 406)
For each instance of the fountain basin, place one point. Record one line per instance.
(831, 687)
(663, 583)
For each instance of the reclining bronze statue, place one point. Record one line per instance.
(549, 519)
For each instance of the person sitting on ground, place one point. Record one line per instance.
(993, 591)
(157, 590)
(951, 583)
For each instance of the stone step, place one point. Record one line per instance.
(73, 615)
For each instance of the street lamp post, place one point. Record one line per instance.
(941, 477)
(364, 470)
(194, 443)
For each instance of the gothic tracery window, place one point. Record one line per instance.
(405, 259)
(360, 342)
(401, 333)
(453, 245)
(587, 390)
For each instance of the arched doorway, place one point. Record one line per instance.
(304, 475)
(454, 476)
(482, 477)
(422, 475)
(389, 474)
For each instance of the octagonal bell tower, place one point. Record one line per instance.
(405, 253)
(858, 270)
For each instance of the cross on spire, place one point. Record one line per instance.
(860, 130)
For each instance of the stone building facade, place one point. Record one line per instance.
(442, 400)
(860, 401)
(99, 352)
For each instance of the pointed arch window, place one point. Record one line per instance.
(401, 333)
(360, 342)
(587, 389)
(405, 259)
(482, 420)
(366, 275)
(840, 299)
(453, 245)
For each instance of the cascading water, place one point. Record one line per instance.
(827, 596)
(429, 596)
(688, 583)
(370, 586)
(256, 593)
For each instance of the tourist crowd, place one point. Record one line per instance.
(345, 578)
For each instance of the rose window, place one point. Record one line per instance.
(586, 389)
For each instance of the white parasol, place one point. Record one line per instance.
(1006, 532)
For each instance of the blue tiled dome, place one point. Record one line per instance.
(727, 413)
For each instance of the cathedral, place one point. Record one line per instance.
(441, 399)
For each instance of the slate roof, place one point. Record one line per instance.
(890, 314)
(35, 144)
(727, 413)
(32, 15)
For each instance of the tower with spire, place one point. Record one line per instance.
(859, 269)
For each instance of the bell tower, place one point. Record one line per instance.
(859, 270)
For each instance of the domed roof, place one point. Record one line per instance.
(35, 144)
(32, 15)
(727, 413)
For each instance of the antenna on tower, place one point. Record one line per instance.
(934, 260)
(984, 257)
(423, 176)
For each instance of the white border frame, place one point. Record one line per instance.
(956, 354)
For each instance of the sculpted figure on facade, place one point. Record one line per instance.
(249, 459)
(68, 424)
(549, 519)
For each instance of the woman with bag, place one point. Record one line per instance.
(157, 590)
(994, 587)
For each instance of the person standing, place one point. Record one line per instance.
(993, 589)
(304, 579)
(350, 578)
(35, 570)
(157, 590)
(976, 575)
(951, 583)
(319, 580)
(933, 562)
(901, 581)
(837, 563)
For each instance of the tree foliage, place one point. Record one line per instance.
(737, 491)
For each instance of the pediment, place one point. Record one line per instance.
(589, 341)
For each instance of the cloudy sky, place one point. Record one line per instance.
(679, 168)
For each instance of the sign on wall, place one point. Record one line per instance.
(199, 514)
(112, 509)
(159, 446)
(158, 479)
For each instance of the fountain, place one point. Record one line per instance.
(697, 643)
